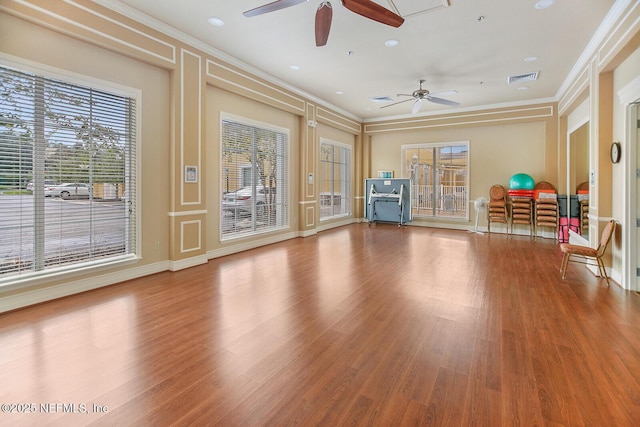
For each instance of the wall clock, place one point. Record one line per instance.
(615, 152)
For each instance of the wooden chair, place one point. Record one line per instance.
(497, 207)
(586, 253)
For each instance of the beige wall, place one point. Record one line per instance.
(496, 152)
(220, 102)
(614, 65)
(184, 86)
(183, 90)
(501, 143)
(625, 198)
(29, 42)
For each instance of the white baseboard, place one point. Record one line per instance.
(249, 244)
(335, 224)
(186, 263)
(307, 233)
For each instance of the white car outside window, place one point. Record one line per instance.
(68, 191)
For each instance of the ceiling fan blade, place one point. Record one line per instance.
(395, 103)
(405, 94)
(371, 10)
(323, 23)
(416, 106)
(272, 7)
(444, 92)
(442, 101)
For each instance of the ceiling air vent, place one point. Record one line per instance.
(381, 99)
(523, 77)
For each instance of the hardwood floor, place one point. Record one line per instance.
(361, 325)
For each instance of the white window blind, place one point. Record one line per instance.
(67, 170)
(334, 177)
(439, 177)
(254, 165)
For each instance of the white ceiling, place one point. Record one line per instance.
(443, 42)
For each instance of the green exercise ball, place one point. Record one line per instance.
(521, 181)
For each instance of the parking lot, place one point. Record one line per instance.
(71, 227)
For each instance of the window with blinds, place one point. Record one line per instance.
(254, 165)
(334, 178)
(67, 175)
(439, 177)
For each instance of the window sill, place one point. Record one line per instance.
(64, 273)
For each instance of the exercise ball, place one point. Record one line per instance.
(521, 181)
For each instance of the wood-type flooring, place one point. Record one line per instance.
(370, 325)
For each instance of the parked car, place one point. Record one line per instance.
(47, 182)
(68, 190)
(241, 200)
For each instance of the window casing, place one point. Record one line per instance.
(334, 178)
(439, 174)
(53, 131)
(254, 166)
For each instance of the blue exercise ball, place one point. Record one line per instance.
(521, 181)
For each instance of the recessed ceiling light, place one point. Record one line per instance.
(543, 4)
(339, 92)
(523, 88)
(215, 21)
(294, 67)
(391, 43)
(530, 59)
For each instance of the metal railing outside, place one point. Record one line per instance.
(441, 201)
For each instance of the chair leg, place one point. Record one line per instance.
(563, 266)
(603, 271)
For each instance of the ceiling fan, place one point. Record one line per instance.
(422, 94)
(324, 13)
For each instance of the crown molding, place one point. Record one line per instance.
(142, 18)
(598, 37)
(452, 111)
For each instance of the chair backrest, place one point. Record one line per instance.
(544, 185)
(582, 186)
(497, 192)
(605, 238)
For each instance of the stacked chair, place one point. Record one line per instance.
(522, 208)
(497, 207)
(583, 200)
(522, 211)
(546, 207)
(528, 204)
(521, 194)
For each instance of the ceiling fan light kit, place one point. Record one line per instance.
(324, 14)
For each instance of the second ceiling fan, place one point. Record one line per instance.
(324, 14)
(421, 94)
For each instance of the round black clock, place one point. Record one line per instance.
(615, 152)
